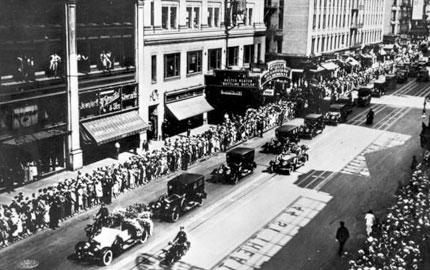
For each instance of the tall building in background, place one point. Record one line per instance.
(316, 27)
(398, 18)
(420, 19)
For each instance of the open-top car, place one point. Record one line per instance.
(274, 146)
(313, 125)
(184, 192)
(288, 133)
(364, 95)
(336, 114)
(289, 161)
(108, 242)
(239, 163)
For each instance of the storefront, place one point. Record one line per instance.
(186, 108)
(108, 116)
(234, 91)
(33, 137)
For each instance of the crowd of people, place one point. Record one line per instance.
(395, 242)
(48, 207)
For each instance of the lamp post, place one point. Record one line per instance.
(234, 14)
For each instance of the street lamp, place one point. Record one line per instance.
(234, 14)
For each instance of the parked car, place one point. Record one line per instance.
(240, 163)
(401, 75)
(364, 96)
(336, 114)
(379, 87)
(347, 101)
(414, 69)
(288, 133)
(423, 74)
(313, 125)
(289, 161)
(274, 146)
(184, 193)
(111, 241)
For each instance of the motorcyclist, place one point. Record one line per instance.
(181, 241)
(370, 116)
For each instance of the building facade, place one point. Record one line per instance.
(79, 79)
(315, 27)
(184, 40)
(398, 18)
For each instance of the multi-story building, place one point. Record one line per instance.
(79, 78)
(398, 17)
(315, 27)
(184, 40)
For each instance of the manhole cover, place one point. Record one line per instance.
(28, 264)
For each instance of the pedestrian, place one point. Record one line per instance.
(117, 147)
(370, 221)
(414, 163)
(188, 128)
(342, 236)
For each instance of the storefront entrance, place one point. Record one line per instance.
(153, 123)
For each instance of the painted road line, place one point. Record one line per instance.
(265, 243)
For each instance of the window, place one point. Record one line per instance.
(210, 16)
(188, 18)
(233, 56)
(154, 68)
(152, 13)
(164, 17)
(214, 59)
(259, 50)
(216, 17)
(173, 17)
(172, 65)
(196, 19)
(314, 21)
(250, 11)
(169, 17)
(248, 54)
(194, 62)
(313, 46)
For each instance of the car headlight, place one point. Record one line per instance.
(167, 206)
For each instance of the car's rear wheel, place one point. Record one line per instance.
(175, 215)
(235, 179)
(144, 237)
(107, 257)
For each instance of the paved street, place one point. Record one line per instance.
(269, 220)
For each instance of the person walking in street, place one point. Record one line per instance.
(370, 221)
(342, 236)
(414, 163)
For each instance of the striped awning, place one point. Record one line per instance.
(189, 107)
(114, 127)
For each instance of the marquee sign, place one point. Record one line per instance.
(275, 70)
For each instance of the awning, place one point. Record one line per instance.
(329, 65)
(29, 138)
(112, 128)
(352, 61)
(319, 69)
(189, 107)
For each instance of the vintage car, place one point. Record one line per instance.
(289, 161)
(413, 71)
(423, 74)
(313, 125)
(401, 75)
(274, 146)
(184, 192)
(364, 95)
(379, 87)
(240, 163)
(111, 241)
(337, 113)
(288, 133)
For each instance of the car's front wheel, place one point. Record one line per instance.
(144, 237)
(107, 257)
(175, 215)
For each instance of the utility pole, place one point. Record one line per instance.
(237, 8)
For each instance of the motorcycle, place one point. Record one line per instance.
(175, 252)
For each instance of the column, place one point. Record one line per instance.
(74, 148)
(139, 63)
(204, 16)
(182, 14)
(157, 14)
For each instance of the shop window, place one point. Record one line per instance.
(194, 62)
(233, 56)
(154, 68)
(172, 65)
(214, 59)
(248, 54)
